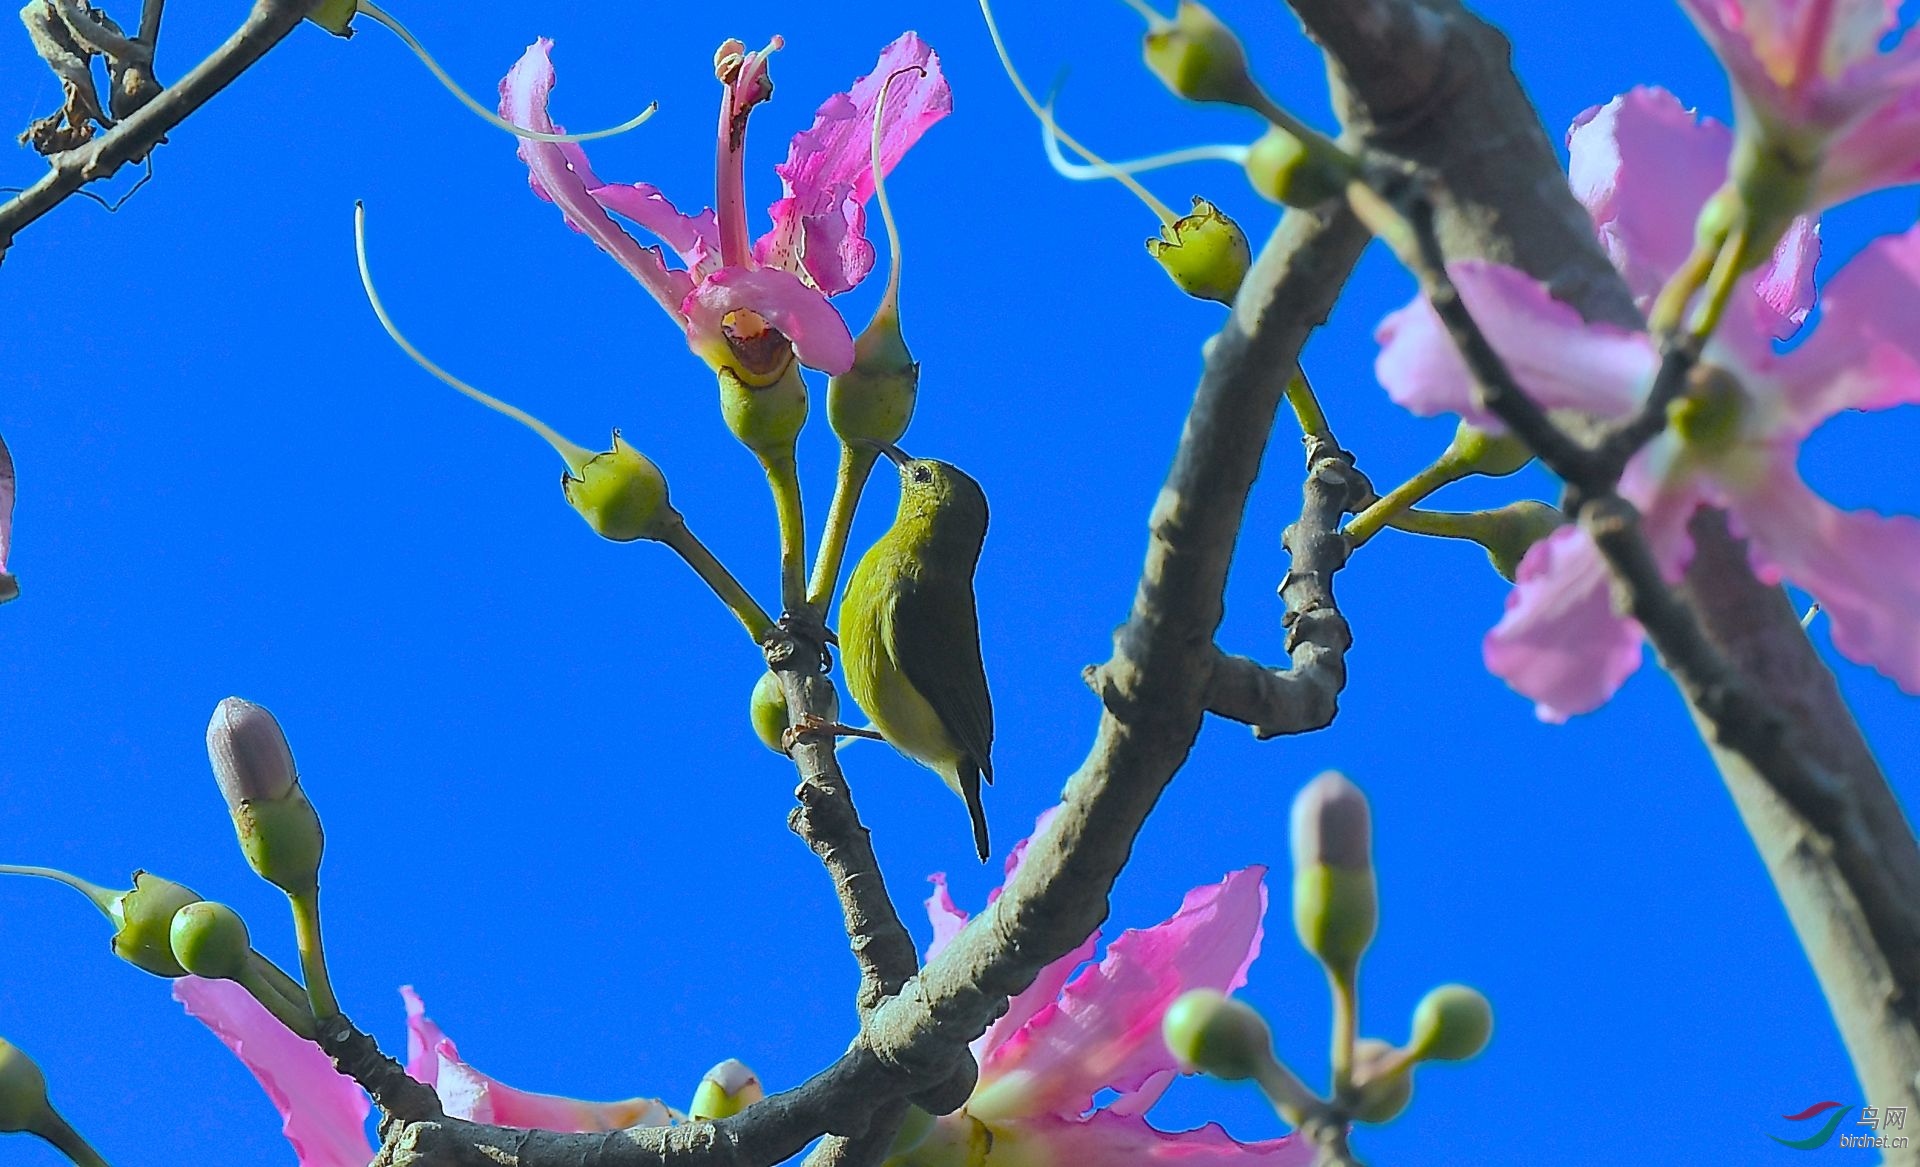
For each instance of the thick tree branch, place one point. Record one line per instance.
(1430, 84)
(132, 139)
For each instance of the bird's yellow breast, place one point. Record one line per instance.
(873, 672)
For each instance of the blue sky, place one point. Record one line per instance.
(543, 803)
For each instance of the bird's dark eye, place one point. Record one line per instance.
(922, 474)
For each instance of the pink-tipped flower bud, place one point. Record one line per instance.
(250, 756)
(725, 1091)
(1332, 824)
(1335, 905)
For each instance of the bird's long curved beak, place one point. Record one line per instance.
(895, 454)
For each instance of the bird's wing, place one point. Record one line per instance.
(937, 642)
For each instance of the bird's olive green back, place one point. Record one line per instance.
(936, 627)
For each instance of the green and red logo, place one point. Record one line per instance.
(1818, 1138)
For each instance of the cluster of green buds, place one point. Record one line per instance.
(1335, 914)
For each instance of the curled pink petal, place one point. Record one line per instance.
(694, 238)
(559, 174)
(1559, 359)
(819, 334)
(819, 225)
(1104, 1031)
(947, 919)
(323, 1113)
(1864, 568)
(1561, 642)
(467, 1093)
(8, 588)
(1110, 1139)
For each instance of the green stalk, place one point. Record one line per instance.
(1386, 509)
(856, 463)
(784, 477)
(313, 957)
(1346, 1021)
(744, 607)
(102, 898)
(278, 993)
(1306, 408)
(67, 1141)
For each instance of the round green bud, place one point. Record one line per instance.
(1709, 416)
(1509, 532)
(23, 1091)
(1494, 455)
(620, 493)
(249, 752)
(1285, 170)
(1199, 58)
(1206, 253)
(1378, 1096)
(768, 709)
(143, 922)
(766, 418)
(1215, 1034)
(725, 1091)
(1451, 1023)
(872, 402)
(210, 940)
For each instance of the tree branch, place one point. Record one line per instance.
(1430, 84)
(268, 23)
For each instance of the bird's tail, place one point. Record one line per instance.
(970, 791)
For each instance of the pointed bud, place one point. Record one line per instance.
(143, 922)
(766, 418)
(727, 1089)
(1199, 58)
(278, 829)
(249, 752)
(1206, 253)
(1451, 1023)
(1382, 1082)
(768, 710)
(23, 1091)
(1492, 455)
(620, 493)
(210, 940)
(1335, 905)
(1512, 530)
(873, 401)
(336, 16)
(1218, 1035)
(1286, 170)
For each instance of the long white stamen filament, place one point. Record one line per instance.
(1081, 172)
(453, 87)
(575, 456)
(892, 294)
(1006, 62)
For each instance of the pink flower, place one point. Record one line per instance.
(324, 1114)
(8, 587)
(730, 291)
(1733, 446)
(1068, 1038)
(1810, 81)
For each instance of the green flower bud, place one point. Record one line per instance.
(143, 922)
(620, 493)
(727, 1089)
(1217, 1035)
(766, 418)
(1379, 1096)
(1709, 416)
(1206, 253)
(336, 16)
(1335, 905)
(1451, 1023)
(210, 940)
(1494, 455)
(249, 752)
(768, 709)
(873, 401)
(1512, 530)
(1285, 170)
(1199, 58)
(23, 1091)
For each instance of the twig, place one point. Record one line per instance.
(358, 1056)
(266, 25)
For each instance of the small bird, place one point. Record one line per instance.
(910, 636)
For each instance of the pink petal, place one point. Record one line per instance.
(467, 1093)
(323, 1112)
(1561, 643)
(819, 226)
(947, 920)
(1559, 359)
(1864, 568)
(1104, 1031)
(694, 238)
(8, 588)
(819, 335)
(1882, 151)
(558, 173)
(1106, 1139)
